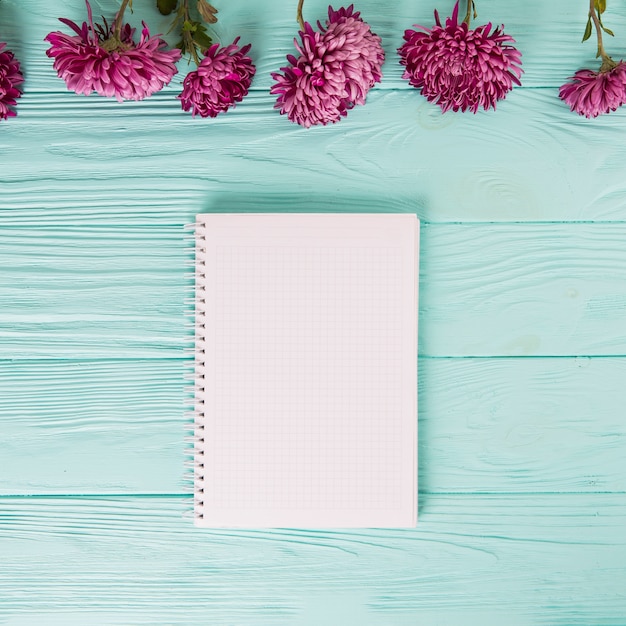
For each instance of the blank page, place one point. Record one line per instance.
(306, 394)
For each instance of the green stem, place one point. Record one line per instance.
(299, 14)
(118, 20)
(607, 62)
(189, 43)
(468, 14)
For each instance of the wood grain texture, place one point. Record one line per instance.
(485, 425)
(540, 559)
(521, 458)
(92, 427)
(532, 160)
(78, 291)
(540, 162)
(92, 292)
(524, 290)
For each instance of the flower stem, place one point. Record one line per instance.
(189, 43)
(299, 14)
(468, 15)
(118, 20)
(607, 62)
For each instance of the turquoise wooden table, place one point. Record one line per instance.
(522, 371)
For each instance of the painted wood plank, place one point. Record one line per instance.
(92, 427)
(79, 291)
(93, 197)
(544, 289)
(92, 292)
(532, 160)
(543, 31)
(537, 559)
(485, 425)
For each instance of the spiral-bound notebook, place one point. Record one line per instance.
(306, 370)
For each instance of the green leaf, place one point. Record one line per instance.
(587, 30)
(608, 31)
(166, 6)
(600, 5)
(201, 37)
(189, 26)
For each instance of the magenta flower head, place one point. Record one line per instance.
(593, 93)
(336, 67)
(222, 79)
(10, 77)
(460, 68)
(108, 61)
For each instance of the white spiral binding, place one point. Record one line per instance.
(196, 416)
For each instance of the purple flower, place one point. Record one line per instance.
(592, 93)
(222, 79)
(96, 60)
(336, 67)
(10, 77)
(460, 68)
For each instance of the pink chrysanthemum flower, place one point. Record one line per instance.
(337, 66)
(593, 93)
(10, 77)
(95, 59)
(460, 68)
(222, 79)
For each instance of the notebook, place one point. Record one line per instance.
(306, 370)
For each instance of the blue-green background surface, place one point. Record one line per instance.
(522, 372)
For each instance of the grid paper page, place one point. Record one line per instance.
(309, 369)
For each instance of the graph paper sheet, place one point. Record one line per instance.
(306, 400)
